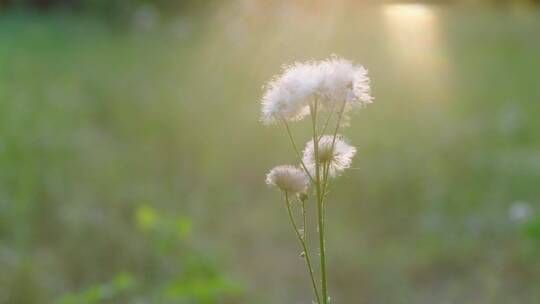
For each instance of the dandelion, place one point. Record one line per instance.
(335, 154)
(287, 178)
(331, 87)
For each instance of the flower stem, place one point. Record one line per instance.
(338, 123)
(320, 218)
(325, 124)
(326, 166)
(296, 150)
(302, 240)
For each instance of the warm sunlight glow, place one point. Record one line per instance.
(414, 41)
(409, 12)
(412, 30)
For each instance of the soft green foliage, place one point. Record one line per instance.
(121, 284)
(140, 152)
(189, 277)
(532, 229)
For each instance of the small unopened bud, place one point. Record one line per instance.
(302, 196)
(302, 254)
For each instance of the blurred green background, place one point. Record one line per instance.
(132, 159)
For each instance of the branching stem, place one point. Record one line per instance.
(302, 240)
(320, 219)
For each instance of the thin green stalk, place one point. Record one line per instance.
(321, 134)
(302, 241)
(297, 151)
(307, 254)
(338, 123)
(320, 219)
(321, 196)
(304, 221)
(326, 168)
(327, 165)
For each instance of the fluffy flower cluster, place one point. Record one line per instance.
(334, 83)
(337, 155)
(287, 178)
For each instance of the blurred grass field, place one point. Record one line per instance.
(132, 159)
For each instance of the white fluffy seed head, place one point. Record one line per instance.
(338, 158)
(288, 95)
(333, 82)
(287, 178)
(346, 83)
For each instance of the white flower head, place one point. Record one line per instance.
(287, 96)
(337, 158)
(346, 83)
(287, 178)
(334, 83)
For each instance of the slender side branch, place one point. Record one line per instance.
(338, 124)
(301, 239)
(326, 168)
(321, 134)
(297, 151)
(327, 165)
